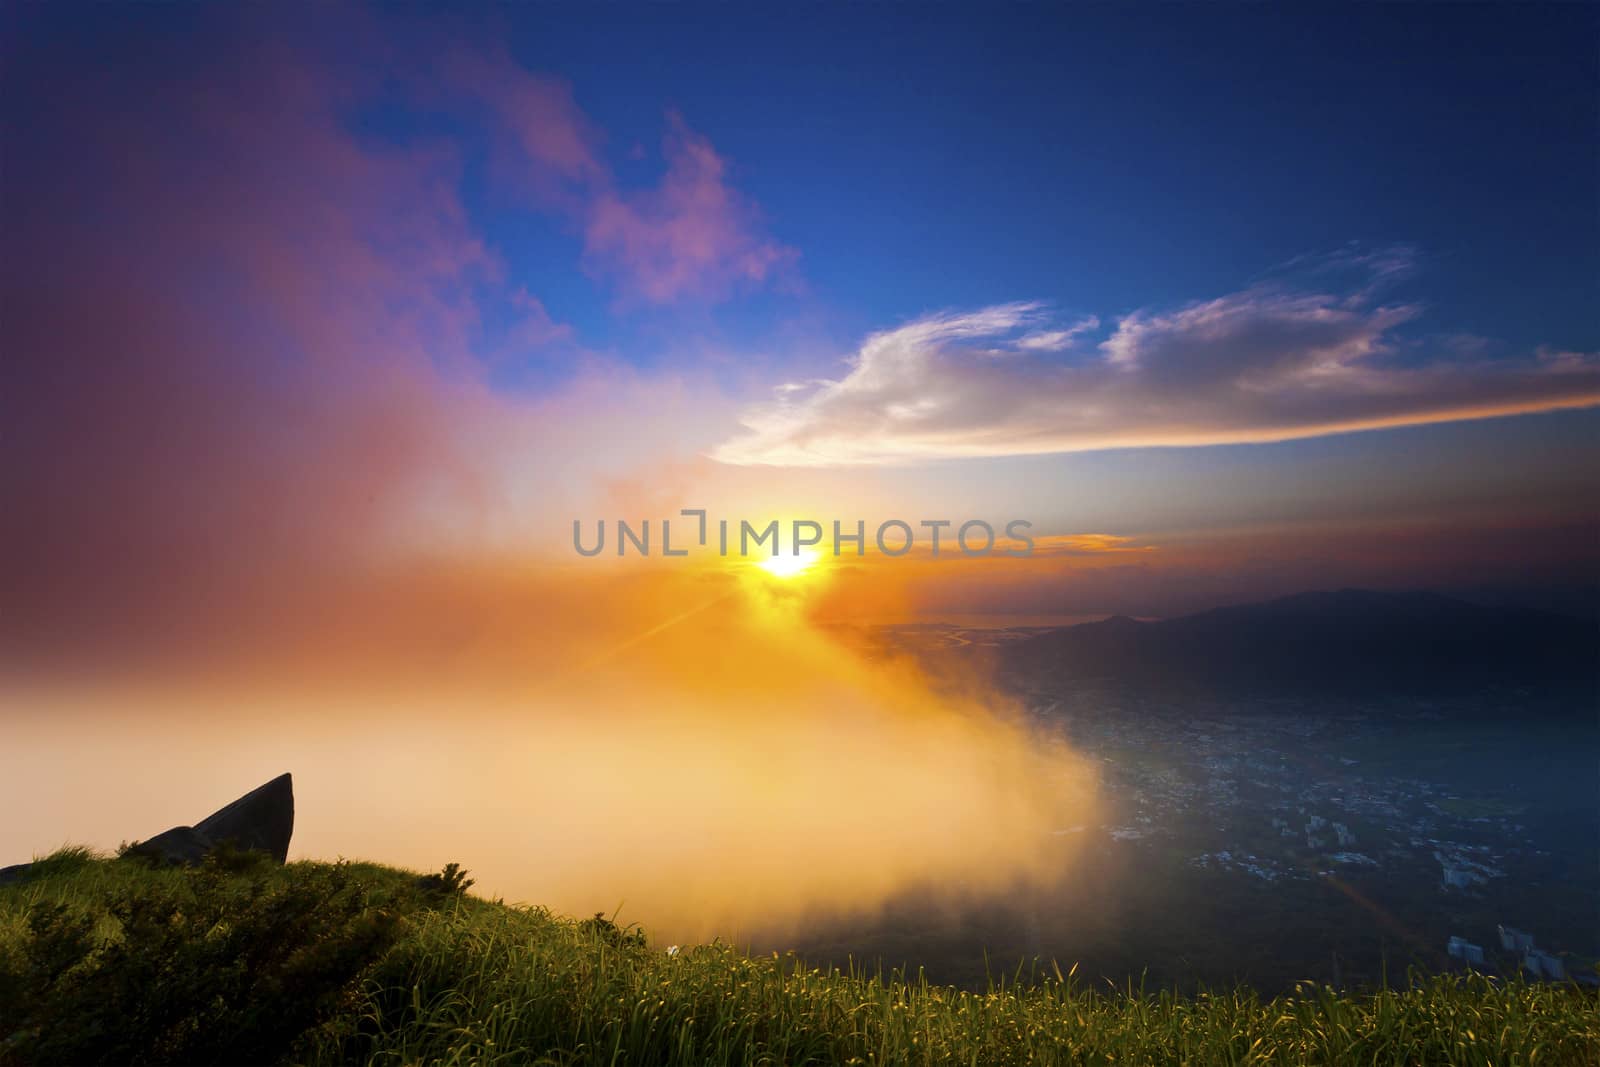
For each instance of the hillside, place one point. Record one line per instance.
(241, 961)
(1351, 642)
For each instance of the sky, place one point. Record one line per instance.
(1273, 297)
(323, 326)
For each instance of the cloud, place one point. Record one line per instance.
(609, 757)
(1056, 340)
(548, 137)
(693, 235)
(271, 351)
(1088, 544)
(1267, 363)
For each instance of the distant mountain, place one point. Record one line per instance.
(1353, 642)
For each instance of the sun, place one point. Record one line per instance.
(789, 565)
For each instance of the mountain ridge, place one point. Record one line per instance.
(1350, 641)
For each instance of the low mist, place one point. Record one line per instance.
(681, 747)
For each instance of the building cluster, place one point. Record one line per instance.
(1263, 793)
(1538, 963)
(1462, 949)
(1459, 866)
(1535, 960)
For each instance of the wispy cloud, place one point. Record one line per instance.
(692, 235)
(1087, 544)
(1056, 340)
(1267, 363)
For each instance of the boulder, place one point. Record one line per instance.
(181, 844)
(261, 819)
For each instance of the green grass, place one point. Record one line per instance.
(110, 961)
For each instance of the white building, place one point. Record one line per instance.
(1543, 965)
(1466, 951)
(1514, 940)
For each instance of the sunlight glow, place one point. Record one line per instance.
(788, 565)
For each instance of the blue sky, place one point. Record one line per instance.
(1107, 160)
(1154, 274)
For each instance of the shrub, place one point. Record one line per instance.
(311, 963)
(214, 966)
(612, 934)
(448, 883)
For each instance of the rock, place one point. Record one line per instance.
(261, 819)
(181, 844)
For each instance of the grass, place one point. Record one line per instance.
(111, 961)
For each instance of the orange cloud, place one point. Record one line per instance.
(681, 741)
(1086, 544)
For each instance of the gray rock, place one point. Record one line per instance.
(261, 819)
(181, 844)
